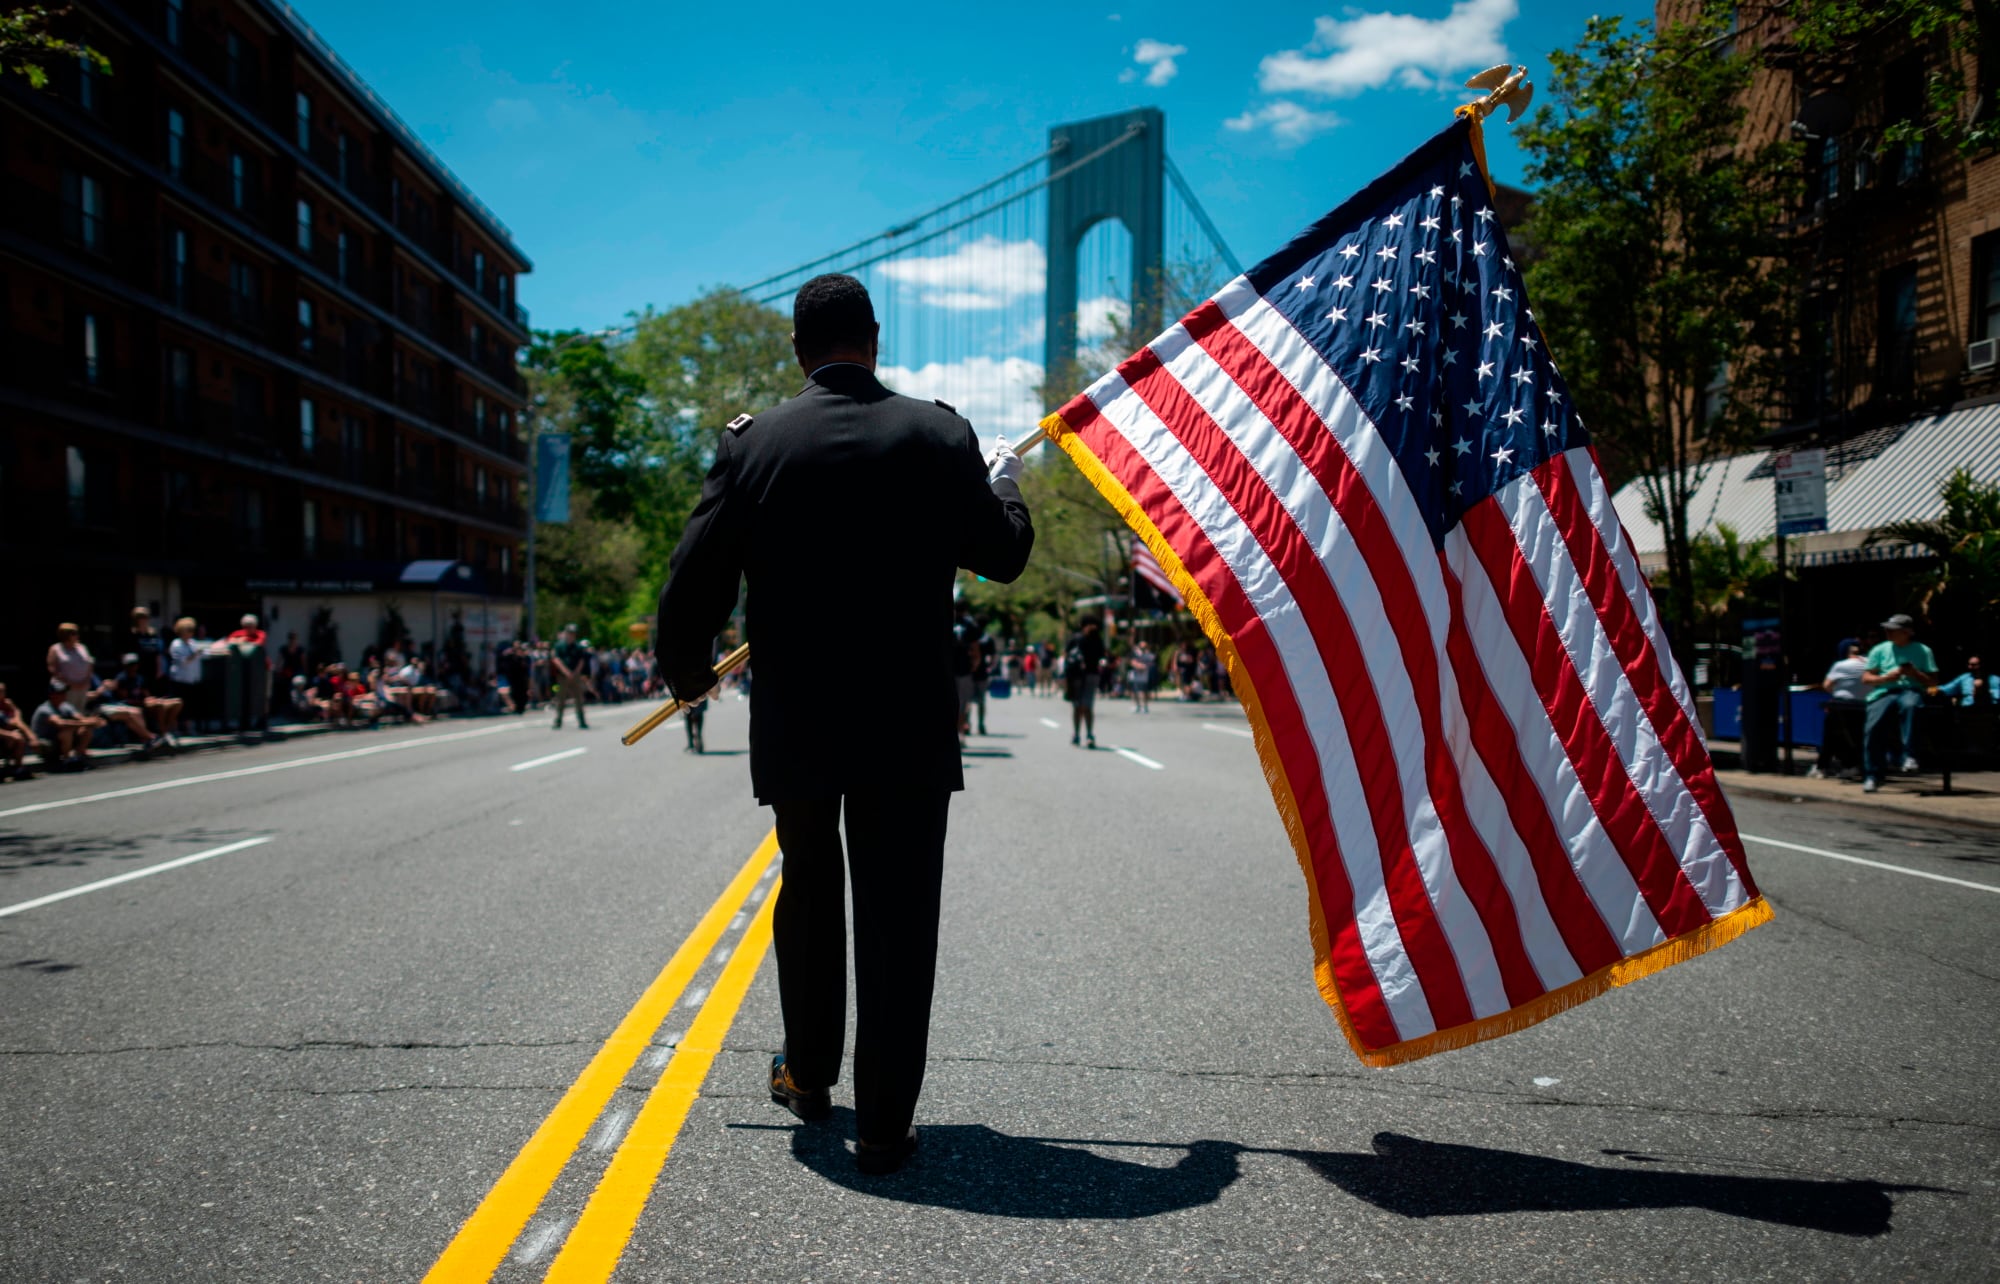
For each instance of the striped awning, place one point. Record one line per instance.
(1895, 479)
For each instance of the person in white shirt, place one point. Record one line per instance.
(1840, 740)
(184, 663)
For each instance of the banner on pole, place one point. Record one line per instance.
(1800, 481)
(552, 477)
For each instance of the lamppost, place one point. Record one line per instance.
(534, 477)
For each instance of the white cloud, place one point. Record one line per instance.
(986, 273)
(511, 113)
(1096, 318)
(1369, 50)
(1157, 57)
(998, 396)
(1288, 122)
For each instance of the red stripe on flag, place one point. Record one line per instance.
(1637, 657)
(1360, 991)
(1279, 401)
(1417, 920)
(1626, 818)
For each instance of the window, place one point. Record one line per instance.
(175, 276)
(176, 144)
(357, 532)
(79, 485)
(239, 180)
(340, 257)
(175, 15)
(309, 527)
(478, 271)
(1715, 396)
(305, 325)
(506, 424)
(303, 109)
(86, 83)
(249, 403)
(90, 365)
(1903, 84)
(479, 415)
(1822, 170)
(340, 155)
(506, 560)
(232, 48)
(245, 293)
(83, 211)
(1986, 287)
(308, 425)
(1896, 330)
(472, 348)
(479, 485)
(253, 517)
(305, 225)
(180, 385)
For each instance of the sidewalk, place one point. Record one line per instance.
(1974, 798)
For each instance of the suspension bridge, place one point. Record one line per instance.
(1007, 299)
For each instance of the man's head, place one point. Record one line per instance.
(833, 320)
(247, 622)
(1973, 666)
(141, 618)
(184, 626)
(66, 632)
(567, 633)
(58, 688)
(130, 660)
(1899, 629)
(1091, 626)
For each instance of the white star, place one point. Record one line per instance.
(1394, 220)
(1502, 455)
(1482, 214)
(1437, 417)
(1458, 488)
(1529, 340)
(1378, 318)
(1421, 290)
(1372, 354)
(1450, 277)
(1522, 376)
(1337, 315)
(1468, 285)
(1471, 408)
(1462, 446)
(1507, 261)
(1414, 325)
(1305, 283)
(1493, 330)
(1450, 357)
(1404, 401)
(1436, 192)
(1454, 234)
(1555, 398)
(1514, 415)
(1427, 256)
(1456, 202)
(1433, 455)
(1464, 170)
(1430, 224)
(1384, 284)
(1478, 248)
(1386, 252)
(1342, 281)
(1410, 364)
(1458, 320)
(1348, 251)
(1486, 370)
(1549, 428)
(1503, 294)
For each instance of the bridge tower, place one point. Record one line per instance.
(1125, 178)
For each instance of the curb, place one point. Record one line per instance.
(1777, 793)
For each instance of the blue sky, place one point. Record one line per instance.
(643, 152)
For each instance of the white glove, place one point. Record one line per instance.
(1003, 462)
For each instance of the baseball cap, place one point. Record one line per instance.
(1899, 621)
(130, 657)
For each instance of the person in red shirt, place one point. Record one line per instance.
(248, 634)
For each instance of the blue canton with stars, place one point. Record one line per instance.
(1410, 292)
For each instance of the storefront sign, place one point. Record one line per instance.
(1801, 490)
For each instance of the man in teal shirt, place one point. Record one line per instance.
(1899, 669)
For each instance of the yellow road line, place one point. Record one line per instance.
(476, 1251)
(599, 1237)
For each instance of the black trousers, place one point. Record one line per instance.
(895, 858)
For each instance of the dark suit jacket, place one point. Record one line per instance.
(848, 510)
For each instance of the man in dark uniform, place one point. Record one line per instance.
(848, 503)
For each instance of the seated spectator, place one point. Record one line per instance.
(112, 707)
(384, 697)
(1974, 687)
(329, 696)
(15, 737)
(1840, 734)
(301, 698)
(417, 687)
(135, 687)
(61, 732)
(1899, 669)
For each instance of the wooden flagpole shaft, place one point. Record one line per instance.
(727, 665)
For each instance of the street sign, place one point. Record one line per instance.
(552, 477)
(1801, 490)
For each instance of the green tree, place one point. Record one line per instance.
(1960, 95)
(27, 44)
(1658, 248)
(1960, 593)
(1731, 575)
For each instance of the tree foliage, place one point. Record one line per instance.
(27, 44)
(1658, 248)
(1960, 593)
(1957, 111)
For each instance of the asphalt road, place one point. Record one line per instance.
(316, 1056)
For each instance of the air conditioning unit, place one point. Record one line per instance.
(1982, 354)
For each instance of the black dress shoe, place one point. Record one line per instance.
(811, 1105)
(888, 1157)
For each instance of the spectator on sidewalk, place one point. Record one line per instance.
(15, 737)
(184, 667)
(247, 633)
(1840, 733)
(111, 706)
(1973, 688)
(63, 732)
(70, 660)
(131, 686)
(291, 661)
(148, 645)
(1899, 669)
(329, 698)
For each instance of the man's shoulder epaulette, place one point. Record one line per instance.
(741, 424)
(946, 404)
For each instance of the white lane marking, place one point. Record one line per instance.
(540, 1238)
(1245, 732)
(158, 785)
(1051, 724)
(611, 1130)
(694, 998)
(1139, 758)
(554, 757)
(1872, 864)
(129, 875)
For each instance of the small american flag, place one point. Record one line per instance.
(1148, 568)
(1360, 466)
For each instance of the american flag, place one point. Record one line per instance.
(1359, 464)
(1148, 568)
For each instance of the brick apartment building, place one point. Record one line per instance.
(258, 348)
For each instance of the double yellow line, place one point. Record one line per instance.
(599, 1237)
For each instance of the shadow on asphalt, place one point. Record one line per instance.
(1417, 1178)
(973, 1168)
